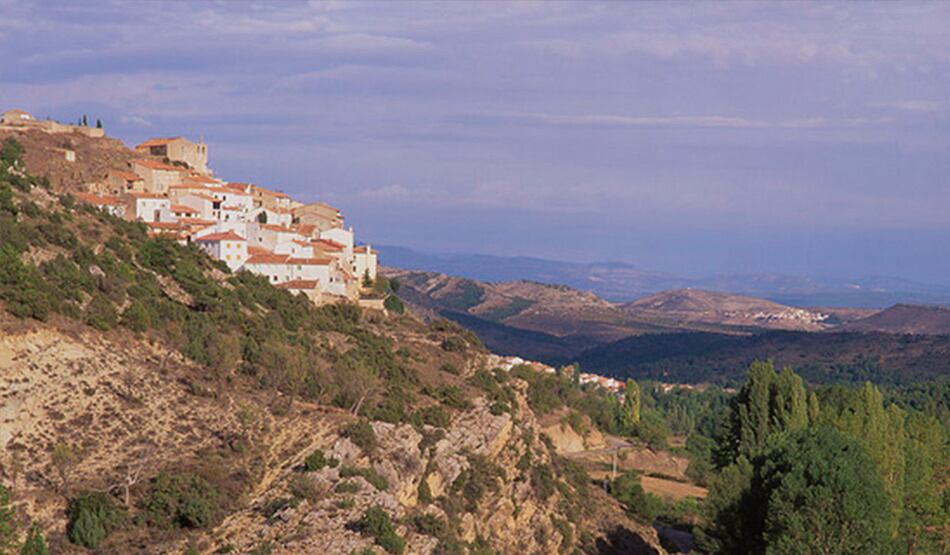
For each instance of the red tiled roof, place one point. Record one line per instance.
(128, 176)
(299, 284)
(196, 221)
(252, 250)
(265, 191)
(224, 236)
(163, 225)
(328, 244)
(273, 227)
(147, 195)
(238, 186)
(303, 229)
(309, 261)
(267, 259)
(156, 142)
(231, 207)
(182, 208)
(156, 165)
(198, 178)
(366, 249)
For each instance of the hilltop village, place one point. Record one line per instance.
(169, 186)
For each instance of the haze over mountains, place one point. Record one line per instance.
(618, 281)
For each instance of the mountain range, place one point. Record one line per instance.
(621, 282)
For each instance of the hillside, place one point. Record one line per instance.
(904, 318)
(819, 357)
(154, 402)
(710, 307)
(45, 156)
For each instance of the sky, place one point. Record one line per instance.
(688, 137)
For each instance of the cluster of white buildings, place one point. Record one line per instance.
(304, 248)
(508, 362)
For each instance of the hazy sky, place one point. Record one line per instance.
(689, 137)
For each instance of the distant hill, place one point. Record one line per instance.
(905, 318)
(557, 322)
(621, 282)
(818, 357)
(725, 309)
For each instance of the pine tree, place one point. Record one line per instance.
(751, 414)
(788, 407)
(35, 543)
(98, 124)
(8, 524)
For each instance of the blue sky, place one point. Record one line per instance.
(689, 137)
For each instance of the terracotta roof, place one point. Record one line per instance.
(321, 204)
(182, 208)
(157, 142)
(365, 248)
(128, 176)
(273, 227)
(309, 261)
(265, 191)
(303, 229)
(202, 178)
(267, 259)
(252, 250)
(238, 186)
(225, 236)
(155, 165)
(299, 284)
(163, 225)
(328, 244)
(302, 243)
(147, 195)
(97, 200)
(231, 207)
(196, 221)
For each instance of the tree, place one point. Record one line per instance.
(262, 217)
(751, 419)
(35, 543)
(819, 493)
(631, 405)
(98, 124)
(923, 512)
(814, 409)
(65, 457)
(788, 404)
(85, 121)
(8, 524)
(367, 281)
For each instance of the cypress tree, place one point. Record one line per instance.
(35, 543)
(814, 410)
(750, 426)
(631, 405)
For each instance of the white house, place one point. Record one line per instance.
(228, 246)
(364, 262)
(149, 207)
(310, 269)
(343, 237)
(272, 266)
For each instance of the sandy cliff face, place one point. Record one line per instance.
(121, 403)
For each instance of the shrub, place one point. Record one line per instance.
(100, 313)
(451, 396)
(451, 368)
(394, 304)
(542, 480)
(479, 478)
(434, 416)
(361, 433)
(302, 487)
(369, 474)
(346, 487)
(453, 343)
(429, 524)
(424, 493)
(92, 516)
(182, 500)
(35, 543)
(376, 522)
(317, 460)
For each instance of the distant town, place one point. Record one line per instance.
(304, 248)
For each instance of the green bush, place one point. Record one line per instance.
(542, 480)
(361, 433)
(180, 500)
(451, 396)
(394, 304)
(451, 368)
(429, 524)
(453, 343)
(101, 314)
(92, 516)
(369, 474)
(35, 543)
(376, 522)
(317, 460)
